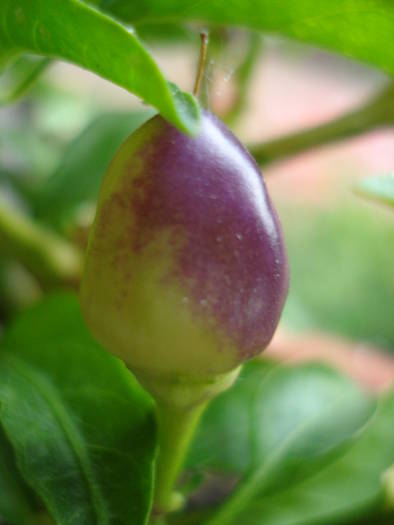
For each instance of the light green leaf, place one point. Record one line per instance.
(21, 77)
(296, 420)
(302, 415)
(228, 422)
(280, 399)
(77, 179)
(85, 440)
(348, 488)
(380, 188)
(360, 29)
(72, 31)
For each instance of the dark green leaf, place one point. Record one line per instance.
(77, 179)
(296, 420)
(77, 33)
(85, 440)
(380, 188)
(58, 318)
(360, 29)
(17, 504)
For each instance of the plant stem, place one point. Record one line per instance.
(180, 401)
(50, 258)
(176, 429)
(377, 112)
(201, 64)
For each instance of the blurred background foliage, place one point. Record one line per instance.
(342, 273)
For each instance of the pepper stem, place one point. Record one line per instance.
(180, 401)
(176, 429)
(203, 54)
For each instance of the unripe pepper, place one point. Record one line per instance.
(186, 271)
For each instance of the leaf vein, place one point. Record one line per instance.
(72, 434)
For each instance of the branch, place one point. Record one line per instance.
(50, 258)
(376, 113)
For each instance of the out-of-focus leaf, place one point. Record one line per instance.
(297, 420)
(18, 288)
(85, 440)
(228, 422)
(360, 29)
(286, 420)
(80, 34)
(302, 415)
(57, 318)
(77, 179)
(35, 134)
(6, 55)
(21, 76)
(281, 419)
(17, 503)
(380, 188)
(341, 263)
(346, 490)
(24, 154)
(167, 33)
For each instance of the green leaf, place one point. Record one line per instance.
(85, 440)
(264, 387)
(360, 29)
(298, 420)
(80, 34)
(31, 147)
(22, 76)
(77, 179)
(17, 503)
(228, 422)
(380, 188)
(303, 415)
(347, 489)
(58, 318)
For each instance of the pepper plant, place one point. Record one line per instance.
(132, 386)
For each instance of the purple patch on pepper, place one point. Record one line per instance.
(207, 194)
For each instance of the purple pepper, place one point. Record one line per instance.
(186, 271)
